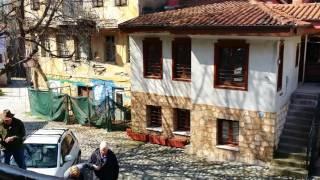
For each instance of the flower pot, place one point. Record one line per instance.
(129, 132)
(138, 136)
(177, 142)
(156, 139)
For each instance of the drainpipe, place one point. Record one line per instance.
(304, 57)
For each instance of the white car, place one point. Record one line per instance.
(51, 151)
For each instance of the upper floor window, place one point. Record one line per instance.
(181, 55)
(97, 3)
(121, 2)
(182, 117)
(228, 132)
(280, 65)
(1, 58)
(45, 46)
(231, 64)
(62, 49)
(154, 119)
(152, 58)
(110, 49)
(35, 5)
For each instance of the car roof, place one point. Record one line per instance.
(46, 136)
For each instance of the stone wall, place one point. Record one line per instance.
(281, 119)
(256, 130)
(139, 101)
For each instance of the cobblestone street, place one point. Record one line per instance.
(137, 160)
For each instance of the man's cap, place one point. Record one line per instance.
(6, 113)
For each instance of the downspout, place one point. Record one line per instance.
(304, 57)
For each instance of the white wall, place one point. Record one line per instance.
(290, 73)
(164, 86)
(262, 76)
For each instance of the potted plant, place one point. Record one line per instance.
(177, 142)
(157, 139)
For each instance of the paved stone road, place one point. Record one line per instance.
(137, 160)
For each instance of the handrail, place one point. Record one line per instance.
(312, 140)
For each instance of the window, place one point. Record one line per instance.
(110, 49)
(152, 58)
(120, 2)
(182, 119)
(181, 55)
(62, 45)
(231, 64)
(1, 58)
(85, 91)
(35, 5)
(66, 145)
(45, 46)
(97, 3)
(228, 132)
(297, 54)
(119, 99)
(280, 66)
(154, 116)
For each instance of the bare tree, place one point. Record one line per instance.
(25, 23)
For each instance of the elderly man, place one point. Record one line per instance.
(12, 133)
(104, 158)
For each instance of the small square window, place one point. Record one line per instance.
(182, 117)
(97, 3)
(154, 119)
(228, 132)
(120, 2)
(85, 91)
(35, 5)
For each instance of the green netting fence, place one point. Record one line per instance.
(58, 107)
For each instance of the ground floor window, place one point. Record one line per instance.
(182, 119)
(85, 91)
(228, 132)
(154, 119)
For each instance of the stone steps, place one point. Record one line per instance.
(299, 173)
(299, 120)
(301, 108)
(282, 153)
(289, 162)
(294, 133)
(301, 114)
(308, 103)
(297, 127)
(294, 140)
(294, 148)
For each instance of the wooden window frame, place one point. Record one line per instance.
(97, 3)
(176, 42)
(179, 113)
(230, 141)
(231, 44)
(35, 5)
(146, 43)
(120, 2)
(280, 66)
(150, 116)
(297, 54)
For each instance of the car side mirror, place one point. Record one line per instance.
(68, 157)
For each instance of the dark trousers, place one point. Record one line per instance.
(18, 155)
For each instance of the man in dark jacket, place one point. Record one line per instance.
(105, 159)
(12, 134)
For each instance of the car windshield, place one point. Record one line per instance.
(41, 155)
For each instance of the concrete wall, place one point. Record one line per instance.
(262, 78)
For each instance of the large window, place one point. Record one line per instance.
(97, 3)
(62, 49)
(181, 55)
(120, 2)
(152, 58)
(35, 5)
(231, 64)
(110, 51)
(228, 132)
(182, 117)
(154, 119)
(45, 46)
(280, 65)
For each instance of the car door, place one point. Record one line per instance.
(67, 147)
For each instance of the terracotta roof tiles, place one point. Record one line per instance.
(227, 14)
(305, 11)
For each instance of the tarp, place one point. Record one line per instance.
(51, 106)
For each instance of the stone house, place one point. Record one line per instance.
(221, 74)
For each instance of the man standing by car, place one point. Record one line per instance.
(12, 133)
(106, 162)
